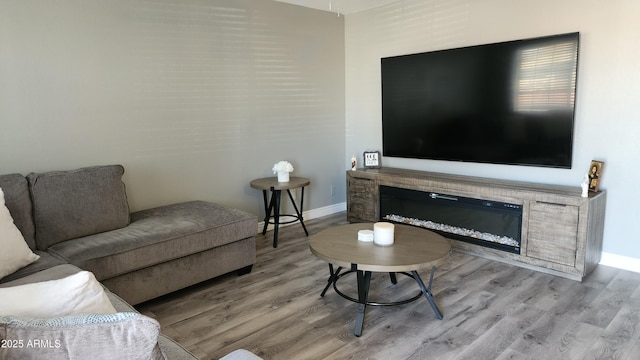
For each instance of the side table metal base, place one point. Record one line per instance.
(272, 211)
(272, 205)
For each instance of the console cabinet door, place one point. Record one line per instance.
(553, 232)
(361, 199)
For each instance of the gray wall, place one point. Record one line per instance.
(606, 124)
(194, 98)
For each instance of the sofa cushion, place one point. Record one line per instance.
(18, 201)
(15, 253)
(45, 261)
(53, 273)
(76, 203)
(156, 236)
(95, 336)
(79, 293)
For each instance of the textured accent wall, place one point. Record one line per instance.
(195, 98)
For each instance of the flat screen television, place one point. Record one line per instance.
(503, 103)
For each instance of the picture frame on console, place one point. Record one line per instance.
(595, 175)
(371, 159)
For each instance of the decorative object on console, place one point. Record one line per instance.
(371, 159)
(383, 233)
(585, 185)
(595, 175)
(282, 168)
(354, 163)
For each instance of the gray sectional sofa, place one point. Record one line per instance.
(80, 219)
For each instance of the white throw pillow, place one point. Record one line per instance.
(79, 293)
(15, 253)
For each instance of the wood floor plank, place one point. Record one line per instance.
(548, 332)
(620, 336)
(491, 311)
(444, 346)
(635, 352)
(504, 302)
(510, 354)
(611, 299)
(499, 338)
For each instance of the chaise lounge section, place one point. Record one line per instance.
(79, 220)
(166, 249)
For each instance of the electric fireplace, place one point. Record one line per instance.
(488, 223)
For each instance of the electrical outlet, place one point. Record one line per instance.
(331, 190)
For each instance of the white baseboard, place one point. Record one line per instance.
(312, 214)
(620, 262)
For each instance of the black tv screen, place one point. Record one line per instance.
(504, 103)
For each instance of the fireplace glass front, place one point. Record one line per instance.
(488, 223)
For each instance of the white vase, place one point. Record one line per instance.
(283, 176)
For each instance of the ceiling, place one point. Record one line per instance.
(342, 6)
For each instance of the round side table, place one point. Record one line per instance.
(272, 204)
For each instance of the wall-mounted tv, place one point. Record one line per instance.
(503, 103)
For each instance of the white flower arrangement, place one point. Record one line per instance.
(282, 166)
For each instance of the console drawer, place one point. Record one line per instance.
(553, 232)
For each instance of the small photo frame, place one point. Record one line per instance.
(371, 159)
(595, 175)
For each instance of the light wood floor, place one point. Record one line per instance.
(491, 311)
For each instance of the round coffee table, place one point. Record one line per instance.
(413, 249)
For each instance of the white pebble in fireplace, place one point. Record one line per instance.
(504, 240)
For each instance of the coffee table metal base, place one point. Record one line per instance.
(373, 303)
(364, 281)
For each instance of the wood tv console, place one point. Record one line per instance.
(561, 231)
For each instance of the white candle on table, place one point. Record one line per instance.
(383, 233)
(365, 235)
